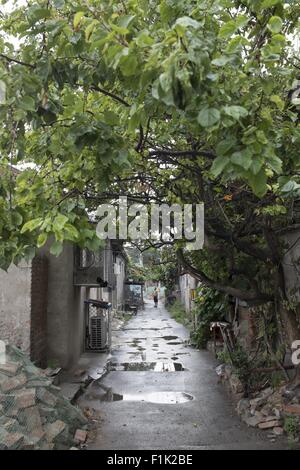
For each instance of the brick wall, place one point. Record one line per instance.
(38, 324)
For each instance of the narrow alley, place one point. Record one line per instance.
(160, 393)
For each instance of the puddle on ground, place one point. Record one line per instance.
(144, 366)
(139, 329)
(153, 397)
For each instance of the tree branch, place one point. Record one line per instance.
(235, 292)
(16, 61)
(111, 95)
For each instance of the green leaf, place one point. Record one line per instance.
(225, 145)
(126, 21)
(187, 22)
(144, 40)
(236, 112)
(27, 103)
(42, 238)
(220, 61)
(227, 30)
(241, 21)
(35, 13)
(242, 158)
(77, 18)
(59, 221)
(256, 164)
(290, 187)
(278, 101)
(90, 29)
(218, 165)
(275, 163)
(71, 232)
(32, 225)
(208, 117)
(128, 65)
(275, 24)
(17, 218)
(269, 3)
(261, 137)
(258, 183)
(56, 248)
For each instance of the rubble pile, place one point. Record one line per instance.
(33, 412)
(269, 408)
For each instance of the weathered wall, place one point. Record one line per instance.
(42, 311)
(244, 326)
(15, 288)
(65, 313)
(186, 283)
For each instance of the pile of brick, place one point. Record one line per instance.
(269, 408)
(33, 412)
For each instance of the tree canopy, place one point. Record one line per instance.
(169, 101)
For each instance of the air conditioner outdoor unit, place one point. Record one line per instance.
(98, 338)
(98, 325)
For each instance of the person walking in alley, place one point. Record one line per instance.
(155, 297)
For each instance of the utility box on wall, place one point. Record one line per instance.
(88, 268)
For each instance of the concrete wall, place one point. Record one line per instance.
(65, 310)
(42, 311)
(15, 288)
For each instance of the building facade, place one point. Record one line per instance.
(42, 302)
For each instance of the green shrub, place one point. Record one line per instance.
(178, 312)
(291, 427)
(210, 305)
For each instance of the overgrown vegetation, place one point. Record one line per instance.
(292, 427)
(179, 314)
(210, 305)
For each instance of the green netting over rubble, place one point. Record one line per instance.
(33, 412)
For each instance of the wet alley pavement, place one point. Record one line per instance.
(160, 393)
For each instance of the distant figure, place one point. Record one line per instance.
(155, 297)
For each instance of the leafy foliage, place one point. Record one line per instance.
(210, 306)
(162, 100)
(178, 313)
